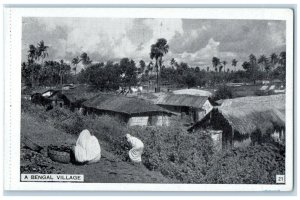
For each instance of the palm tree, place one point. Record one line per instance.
(273, 59)
(142, 66)
(42, 50)
(215, 62)
(253, 67)
(85, 59)
(253, 62)
(75, 62)
(32, 53)
(158, 50)
(224, 63)
(264, 61)
(234, 63)
(282, 59)
(149, 72)
(173, 62)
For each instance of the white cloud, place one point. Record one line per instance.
(191, 41)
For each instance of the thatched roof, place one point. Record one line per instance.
(79, 93)
(122, 104)
(248, 114)
(181, 100)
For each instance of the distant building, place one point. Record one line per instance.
(191, 106)
(59, 99)
(247, 120)
(71, 98)
(45, 92)
(133, 111)
(194, 92)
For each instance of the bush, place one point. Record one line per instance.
(174, 152)
(223, 92)
(72, 125)
(110, 131)
(252, 165)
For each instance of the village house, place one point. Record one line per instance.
(243, 121)
(131, 110)
(191, 108)
(71, 98)
(44, 92)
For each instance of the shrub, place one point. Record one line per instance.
(257, 164)
(174, 152)
(72, 125)
(110, 131)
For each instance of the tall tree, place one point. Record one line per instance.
(32, 53)
(173, 63)
(42, 50)
(129, 72)
(75, 62)
(215, 63)
(158, 50)
(142, 66)
(32, 57)
(273, 59)
(264, 61)
(282, 59)
(252, 60)
(234, 63)
(85, 59)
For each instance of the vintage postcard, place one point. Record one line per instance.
(149, 99)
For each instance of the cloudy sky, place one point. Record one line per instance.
(194, 41)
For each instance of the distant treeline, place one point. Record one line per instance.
(126, 73)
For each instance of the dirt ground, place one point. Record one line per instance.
(110, 169)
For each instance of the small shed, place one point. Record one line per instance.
(243, 121)
(131, 110)
(190, 106)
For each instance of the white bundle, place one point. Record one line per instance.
(136, 152)
(87, 148)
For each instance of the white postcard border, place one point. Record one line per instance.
(12, 56)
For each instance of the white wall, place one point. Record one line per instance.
(138, 121)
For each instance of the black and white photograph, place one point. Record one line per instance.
(154, 100)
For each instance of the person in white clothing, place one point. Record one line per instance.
(87, 149)
(135, 153)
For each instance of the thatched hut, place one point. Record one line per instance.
(246, 120)
(59, 99)
(133, 111)
(190, 106)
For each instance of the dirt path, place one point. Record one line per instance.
(111, 171)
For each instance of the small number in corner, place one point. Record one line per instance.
(280, 178)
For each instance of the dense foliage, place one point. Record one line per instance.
(126, 73)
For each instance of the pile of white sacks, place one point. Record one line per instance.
(87, 148)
